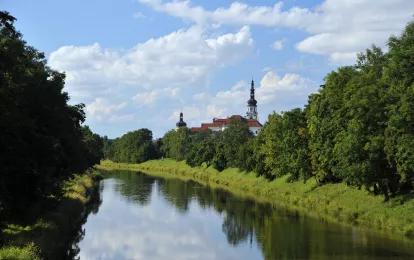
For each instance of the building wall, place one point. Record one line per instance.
(255, 130)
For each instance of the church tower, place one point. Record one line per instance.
(251, 105)
(181, 123)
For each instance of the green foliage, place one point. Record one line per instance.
(94, 146)
(236, 139)
(176, 143)
(282, 147)
(358, 129)
(229, 148)
(133, 147)
(29, 252)
(203, 149)
(361, 121)
(42, 141)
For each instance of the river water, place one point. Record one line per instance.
(143, 217)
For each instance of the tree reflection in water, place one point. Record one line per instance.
(77, 236)
(277, 232)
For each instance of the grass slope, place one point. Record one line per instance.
(336, 202)
(46, 238)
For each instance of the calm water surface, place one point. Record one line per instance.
(142, 217)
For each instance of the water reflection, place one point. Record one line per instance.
(78, 235)
(143, 217)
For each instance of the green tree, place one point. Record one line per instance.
(325, 121)
(93, 144)
(135, 147)
(176, 143)
(41, 136)
(234, 137)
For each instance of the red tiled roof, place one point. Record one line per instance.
(196, 129)
(254, 123)
(223, 122)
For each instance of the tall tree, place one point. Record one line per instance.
(41, 134)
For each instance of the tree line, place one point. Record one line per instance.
(133, 147)
(42, 138)
(357, 129)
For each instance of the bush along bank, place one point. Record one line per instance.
(51, 235)
(335, 202)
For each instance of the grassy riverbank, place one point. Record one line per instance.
(49, 236)
(336, 202)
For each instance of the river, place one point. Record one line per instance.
(144, 217)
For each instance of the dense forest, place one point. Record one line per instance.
(358, 129)
(42, 138)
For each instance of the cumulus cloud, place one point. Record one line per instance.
(149, 98)
(239, 85)
(184, 58)
(289, 88)
(159, 69)
(237, 13)
(338, 28)
(100, 108)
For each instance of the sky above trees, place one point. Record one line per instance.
(136, 64)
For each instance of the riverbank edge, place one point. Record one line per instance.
(332, 202)
(48, 238)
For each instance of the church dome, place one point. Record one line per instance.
(181, 124)
(252, 102)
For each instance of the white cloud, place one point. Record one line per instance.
(215, 111)
(277, 45)
(289, 82)
(201, 96)
(189, 112)
(122, 118)
(149, 98)
(239, 85)
(237, 13)
(139, 15)
(343, 57)
(184, 58)
(338, 28)
(101, 109)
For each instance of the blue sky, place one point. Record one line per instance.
(136, 64)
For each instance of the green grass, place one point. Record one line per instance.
(48, 236)
(28, 252)
(334, 202)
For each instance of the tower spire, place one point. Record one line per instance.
(251, 104)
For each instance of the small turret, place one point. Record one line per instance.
(181, 123)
